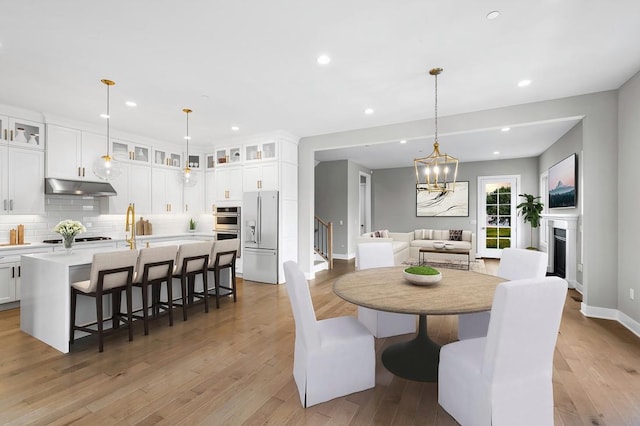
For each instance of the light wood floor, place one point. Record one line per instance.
(233, 366)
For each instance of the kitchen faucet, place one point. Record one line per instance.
(130, 225)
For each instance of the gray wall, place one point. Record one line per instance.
(628, 200)
(331, 195)
(394, 195)
(353, 201)
(337, 194)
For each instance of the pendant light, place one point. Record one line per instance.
(188, 177)
(437, 172)
(106, 167)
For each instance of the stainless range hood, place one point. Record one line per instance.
(78, 187)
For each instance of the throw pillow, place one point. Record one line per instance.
(455, 234)
(380, 234)
(418, 234)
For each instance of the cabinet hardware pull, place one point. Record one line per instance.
(19, 271)
(11, 134)
(5, 134)
(13, 272)
(5, 204)
(83, 172)
(259, 155)
(10, 204)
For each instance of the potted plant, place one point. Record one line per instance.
(192, 225)
(530, 211)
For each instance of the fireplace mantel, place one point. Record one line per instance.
(568, 222)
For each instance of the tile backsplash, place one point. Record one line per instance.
(88, 211)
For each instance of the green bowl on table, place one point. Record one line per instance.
(422, 275)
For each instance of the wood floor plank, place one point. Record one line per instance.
(234, 366)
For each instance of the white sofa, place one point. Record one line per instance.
(407, 245)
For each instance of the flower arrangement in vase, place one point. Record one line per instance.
(192, 225)
(69, 229)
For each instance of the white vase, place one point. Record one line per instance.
(20, 136)
(33, 140)
(67, 241)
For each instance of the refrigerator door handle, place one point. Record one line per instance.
(259, 221)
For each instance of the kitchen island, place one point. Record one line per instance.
(45, 300)
(46, 292)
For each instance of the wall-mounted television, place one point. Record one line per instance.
(562, 183)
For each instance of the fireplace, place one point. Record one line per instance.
(559, 252)
(562, 232)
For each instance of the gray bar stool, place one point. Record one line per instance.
(192, 260)
(110, 274)
(155, 266)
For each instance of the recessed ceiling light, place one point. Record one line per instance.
(131, 104)
(104, 116)
(403, 141)
(524, 83)
(235, 128)
(368, 111)
(496, 152)
(188, 138)
(323, 60)
(493, 14)
(505, 129)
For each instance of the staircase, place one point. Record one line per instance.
(322, 244)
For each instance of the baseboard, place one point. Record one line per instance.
(348, 256)
(611, 314)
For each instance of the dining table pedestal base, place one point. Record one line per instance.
(416, 359)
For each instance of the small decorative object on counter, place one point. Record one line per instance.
(148, 228)
(13, 239)
(33, 139)
(140, 227)
(20, 234)
(69, 229)
(192, 225)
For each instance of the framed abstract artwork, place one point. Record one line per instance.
(443, 204)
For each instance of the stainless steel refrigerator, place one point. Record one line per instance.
(260, 216)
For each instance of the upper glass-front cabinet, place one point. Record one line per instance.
(228, 155)
(260, 151)
(22, 132)
(162, 157)
(129, 151)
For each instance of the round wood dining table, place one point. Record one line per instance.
(385, 289)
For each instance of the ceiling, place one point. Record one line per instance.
(252, 64)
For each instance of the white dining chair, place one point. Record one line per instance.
(381, 324)
(332, 357)
(515, 264)
(504, 379)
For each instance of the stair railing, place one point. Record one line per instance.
(323, 239)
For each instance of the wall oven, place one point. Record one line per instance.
(227, 223)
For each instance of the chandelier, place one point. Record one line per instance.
(105, 167)
(437, 172)
(188, 177)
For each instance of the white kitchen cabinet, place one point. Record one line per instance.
(132, 186)
(131, 152)
(71, 152)
(194, 195)
(9, 276)
(228, 155)
(21, 180)
(266, 150)
(260, 177)
(19, 132)
(166, 191)
(210, 191)
(228, 183)
(163, 157)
